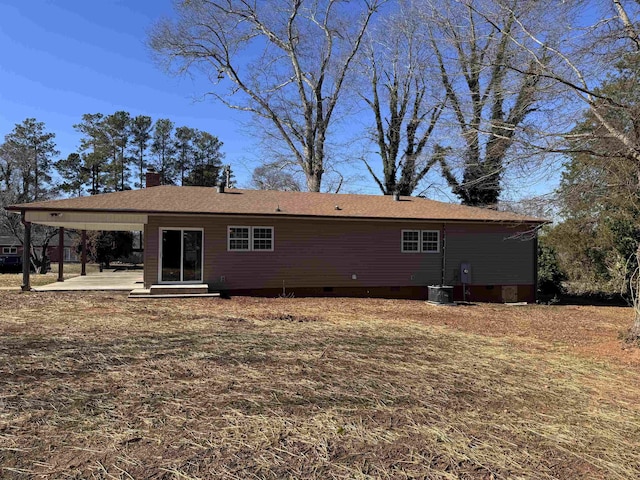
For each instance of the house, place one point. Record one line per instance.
(271, 242)
(11, 246)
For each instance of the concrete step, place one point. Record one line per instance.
(196, 289)
(174, 295)
(140, 291)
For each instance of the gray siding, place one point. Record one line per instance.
(498, 255)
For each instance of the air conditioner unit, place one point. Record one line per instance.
(440, 294)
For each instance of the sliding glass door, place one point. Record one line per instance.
(181, 255)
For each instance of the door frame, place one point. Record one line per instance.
(160, 253)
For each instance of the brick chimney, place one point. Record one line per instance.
(153, 178)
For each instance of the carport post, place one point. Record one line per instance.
(61, 254)
(26, 255)
(84, 253)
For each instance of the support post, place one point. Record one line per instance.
(26, 255)
(84, 253)
(535, 267)
(61, 254)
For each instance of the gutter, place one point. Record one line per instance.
(18, 208)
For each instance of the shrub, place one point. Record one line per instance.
(550, 275)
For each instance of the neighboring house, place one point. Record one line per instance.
(10, 245)
(270, 242)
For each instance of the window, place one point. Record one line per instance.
(410, 241)
(262, 238)
(244, 239)
(431, 241)
(10, 250)
(70, 255)
(239, 238)
(415, 241)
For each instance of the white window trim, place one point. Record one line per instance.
(229, 249)
(9, 250)
(402, 241)
(422, 232)
(181, 229)
(273, 239)
(420, 241)
(251, 238)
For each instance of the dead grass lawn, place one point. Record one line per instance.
(95, 386)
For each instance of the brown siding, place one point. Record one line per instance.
(313, 254)
(151, 252)
(307, 253)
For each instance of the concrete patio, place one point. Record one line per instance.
(113, 280)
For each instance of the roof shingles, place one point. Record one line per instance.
(203, 200)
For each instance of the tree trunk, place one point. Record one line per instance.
(634, 333)
(44, 259)
(313, 181)
(141, 168)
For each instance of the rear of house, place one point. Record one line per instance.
(313, 257)
(270, 243)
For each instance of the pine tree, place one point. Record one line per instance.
(30, 149)
(118, 133)
(74, 172)
(141, 127)
(26, 159)
(207, 161)
(94, 150)
(184, 151)
(163, 148)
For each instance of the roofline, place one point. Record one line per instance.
(18, 208)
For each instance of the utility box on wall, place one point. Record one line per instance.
(465, 273)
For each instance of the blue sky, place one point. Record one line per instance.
(63, 58)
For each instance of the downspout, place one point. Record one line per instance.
(444, 253)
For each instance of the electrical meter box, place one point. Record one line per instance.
(465, 273)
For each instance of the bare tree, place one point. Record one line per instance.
(583, 64)
(285, 62)
(272, 177)
(405, 109)
(488, 101)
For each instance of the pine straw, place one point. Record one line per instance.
(95, 386)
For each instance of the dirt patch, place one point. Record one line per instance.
(95, 386)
